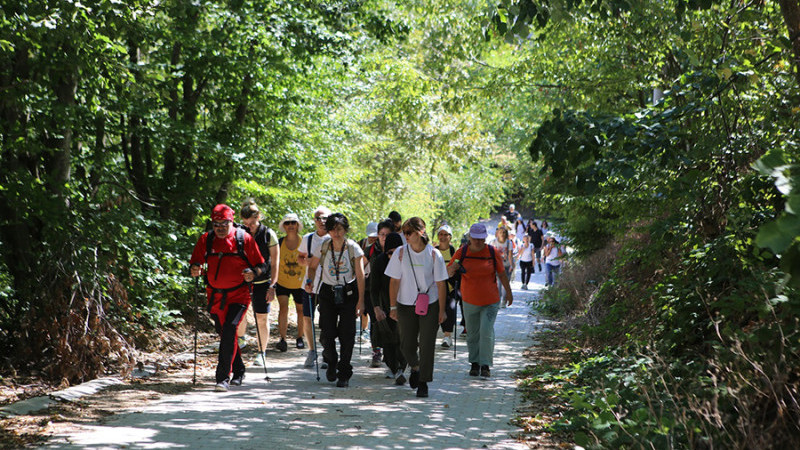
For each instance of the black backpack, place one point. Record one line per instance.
(239, 248)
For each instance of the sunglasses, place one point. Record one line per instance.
(220, 224)
(290, 222)
(321, 218)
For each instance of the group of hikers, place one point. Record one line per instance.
(396, 278)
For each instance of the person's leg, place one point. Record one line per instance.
(230, 318)
(449, 309)
(308, 307)
(428, 327)
(555, 270)
(241, 330)
(297, 297)
(538, 252)
(261, 314)
(488, 315)
(328, 322)
(472, 318)
(548, 275)
(283, 315)
(408, 326)
(347, 335)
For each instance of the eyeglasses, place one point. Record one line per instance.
(220, 224)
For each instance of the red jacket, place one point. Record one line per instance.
(226, 272)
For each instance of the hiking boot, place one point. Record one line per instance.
(242, 342)
(222, 386)
(299, 343)
(312, 356)
(237, 380)
(485, 372)
(524, 287)
(399, 378)
(261, 360)
(376, 358)
(413, 379)
(422, 390)
(474, 370)
(464, 331)
(330, 372)
(342, 383)
(281, 345)
(447, 342)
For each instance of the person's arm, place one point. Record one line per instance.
(455, 263)
(501, 274)
(274, 260)
(442, 286)
(394, 288)
(360, 284)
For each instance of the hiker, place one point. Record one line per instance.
(397, 220)
(417, 292)
(537, 240)
(445, 234)
(233, 261)
(371, 247)
(526, 261)
(312, 241)
(340, 298)
(480, 264)
(263, 286)
(505, 248)
(519, 227)
(386, 334)
(545, 226)
(290, 280)
(552, 259)
(512, 214)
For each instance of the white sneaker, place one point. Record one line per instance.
(312, 356)
(447, 342)
(260, 360)
(222, 386)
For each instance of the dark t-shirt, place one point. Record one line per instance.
(537, 237)
(512, 216)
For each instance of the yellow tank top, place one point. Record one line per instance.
(290, 272)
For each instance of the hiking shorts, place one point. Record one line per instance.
(260, 305)
(298, 295)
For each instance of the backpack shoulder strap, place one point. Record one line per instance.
(310, 239)
(280, 240)
(209, 243)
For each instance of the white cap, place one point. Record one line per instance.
(446, 228)
(291, 217)
(372, 229)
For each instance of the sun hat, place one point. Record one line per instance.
(372, 229)
(291, 217)
(222, 212)
(446, 228)
(478, 231)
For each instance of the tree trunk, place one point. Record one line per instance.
(791, 15)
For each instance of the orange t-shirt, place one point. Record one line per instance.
(479, 283)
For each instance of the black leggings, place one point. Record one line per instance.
(527, 271)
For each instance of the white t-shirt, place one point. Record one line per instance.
(552, 257)
(327, 267)
(316, 243)
(526, 255)
(428, 267)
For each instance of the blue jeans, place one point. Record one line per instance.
(551, 273)
(480, 332)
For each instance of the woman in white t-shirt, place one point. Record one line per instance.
(418, 283)
(340, 297)
(526, 261)
(552, 259)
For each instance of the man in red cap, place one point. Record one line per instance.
(233, 262)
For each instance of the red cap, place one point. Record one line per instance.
(221, 213)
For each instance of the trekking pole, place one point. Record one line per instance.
(258, 336)
(196, 318)
(314, 333)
